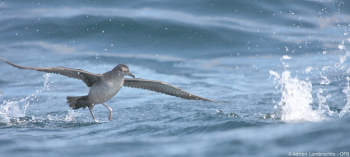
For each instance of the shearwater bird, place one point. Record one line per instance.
(105, 86)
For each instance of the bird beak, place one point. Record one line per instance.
(129, 74)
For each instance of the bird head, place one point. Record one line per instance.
(123, 69)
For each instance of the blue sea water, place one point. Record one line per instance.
(281, 67)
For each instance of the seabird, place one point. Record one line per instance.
(105, 86)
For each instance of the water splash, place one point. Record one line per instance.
(12, 109)
(71, 116)
(346, 91)
(340, 65)
(296, 99)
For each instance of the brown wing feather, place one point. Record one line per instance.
(162, 87)
(88, 78)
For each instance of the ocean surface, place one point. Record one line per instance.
(281, 67)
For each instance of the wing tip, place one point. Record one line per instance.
(8, 62)
(4, 60)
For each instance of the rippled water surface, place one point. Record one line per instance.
(280, 66)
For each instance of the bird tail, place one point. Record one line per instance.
(77, 102)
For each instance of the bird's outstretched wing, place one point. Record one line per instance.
(162, 87)
(88, 78)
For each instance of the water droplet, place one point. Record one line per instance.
(341, 46)
(308, 69)
(325, 68)
(219, 112)
(286, 57)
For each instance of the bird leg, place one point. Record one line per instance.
(110, 111)
(92, 114)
